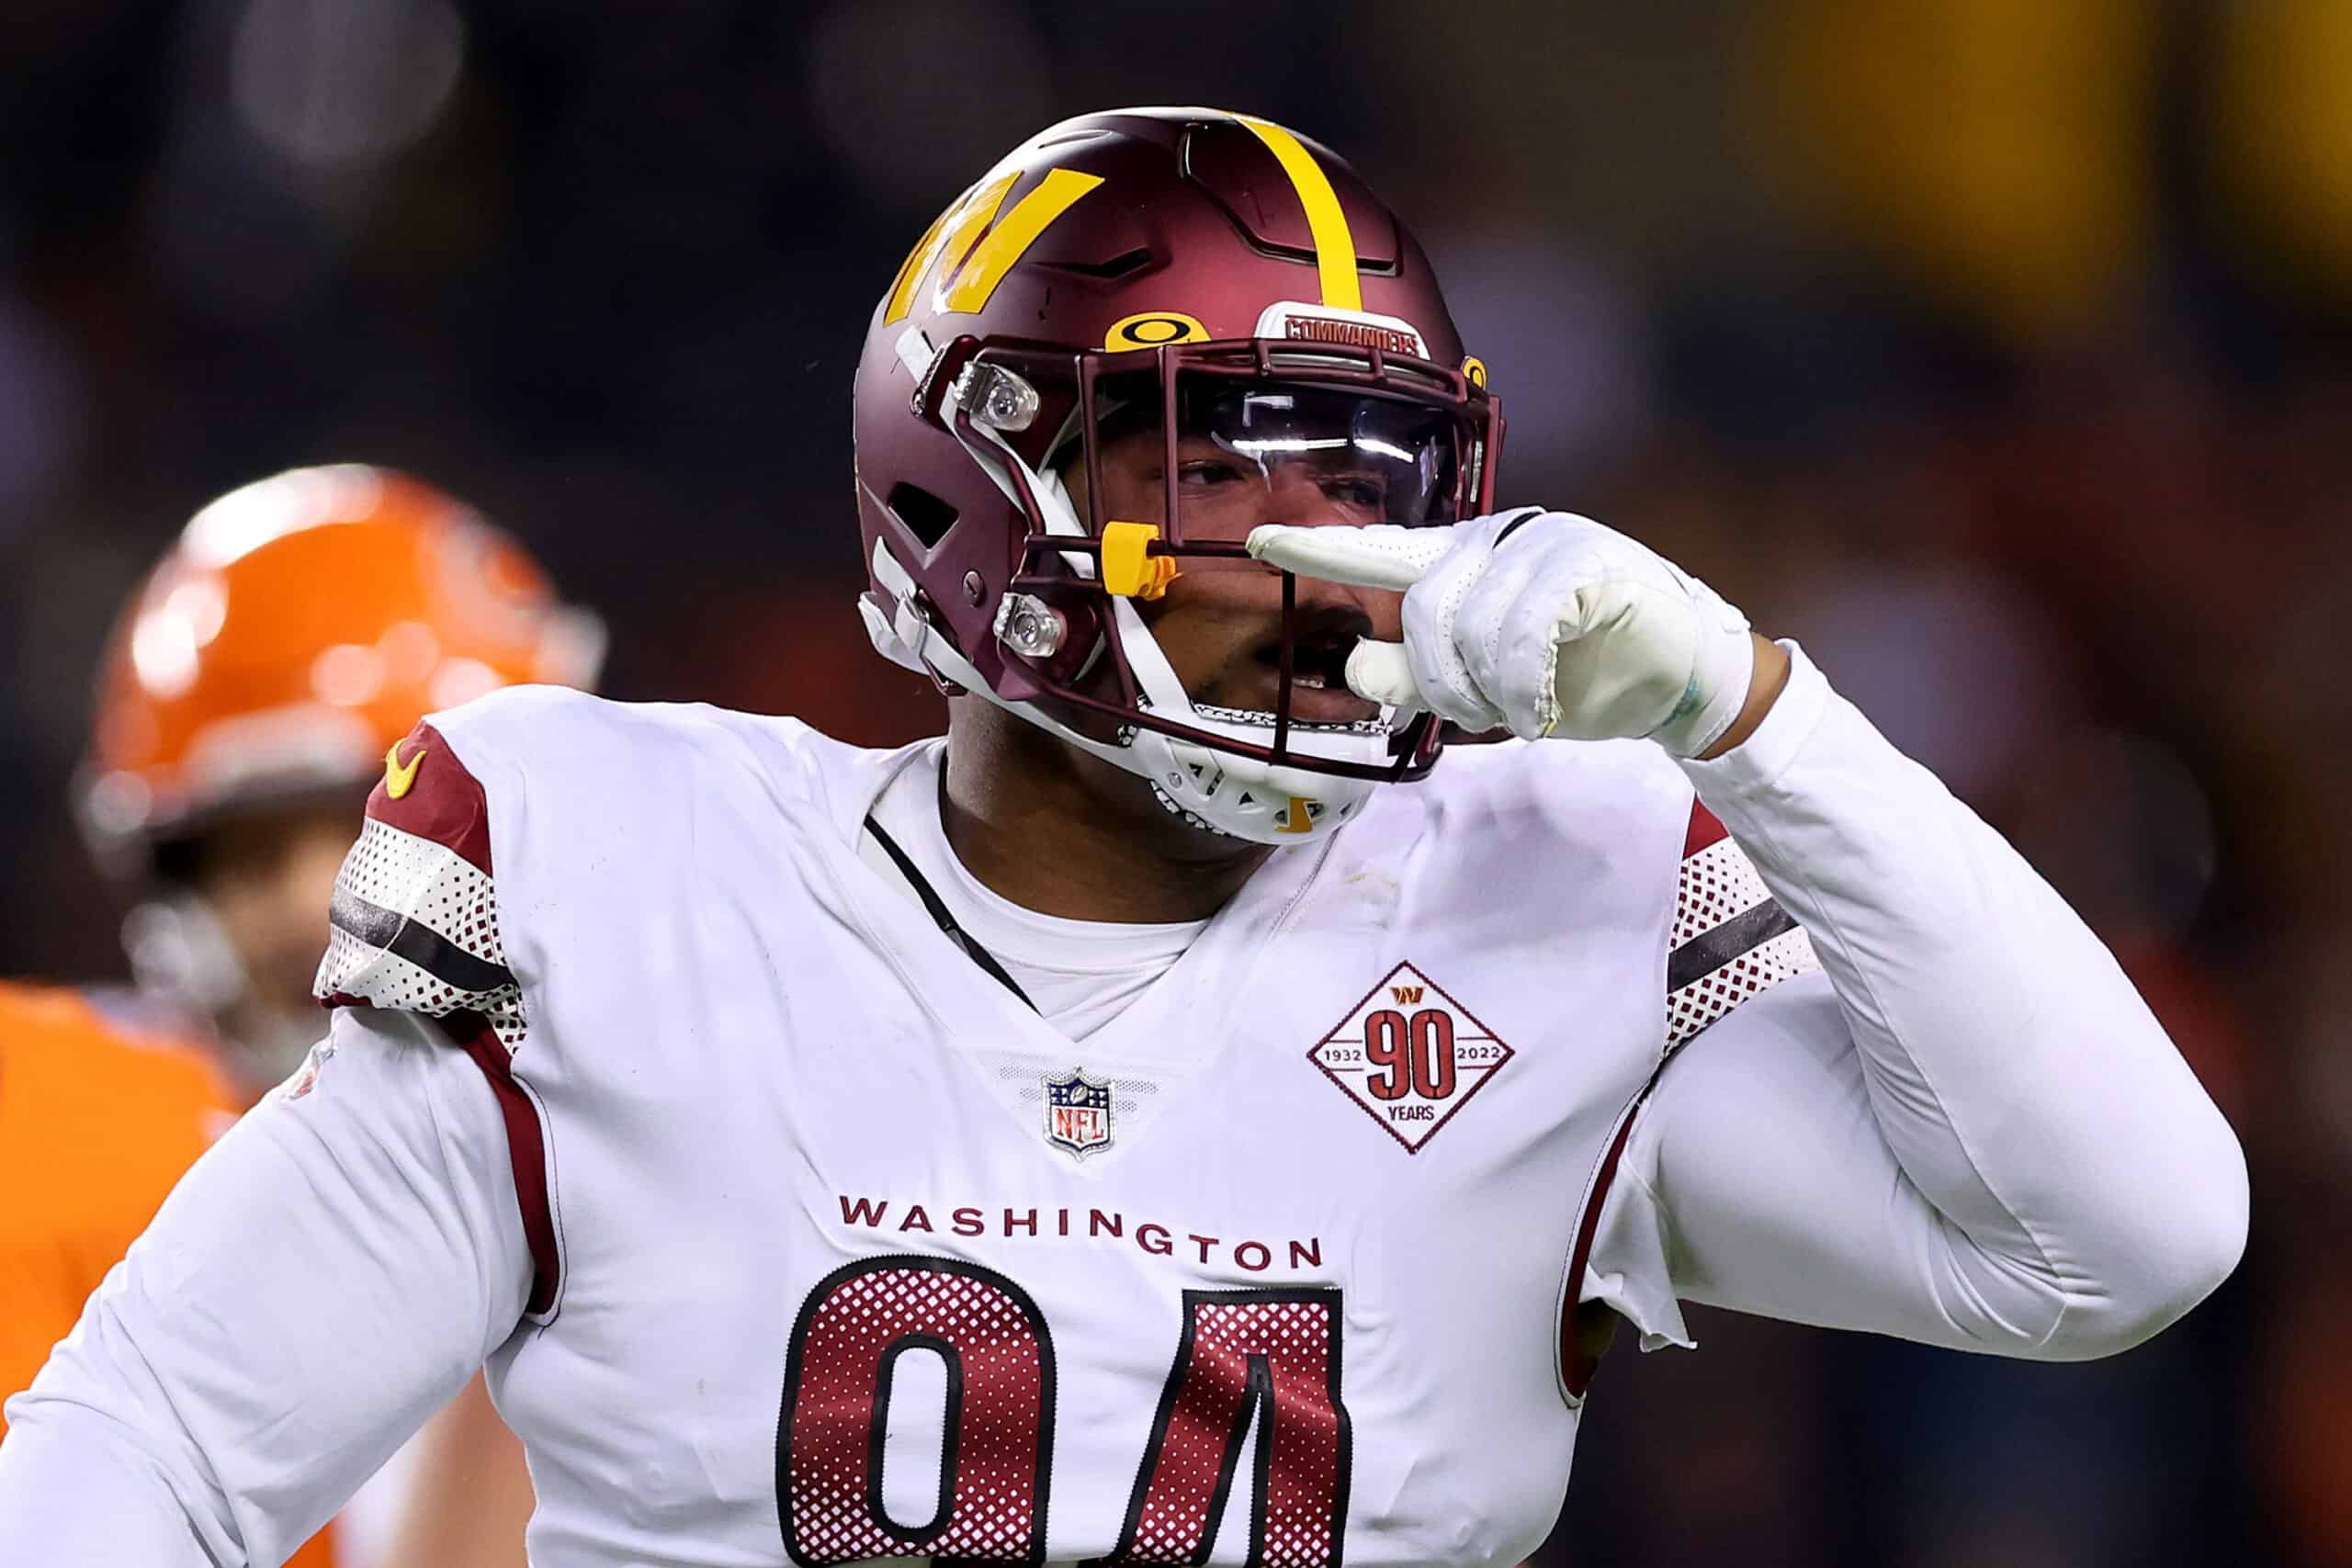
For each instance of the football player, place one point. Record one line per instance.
(1181, 1115)
(291, 635)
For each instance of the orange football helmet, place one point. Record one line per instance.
(294, 633)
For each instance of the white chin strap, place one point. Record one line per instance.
(1212, 788)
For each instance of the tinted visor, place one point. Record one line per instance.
(1247, 453)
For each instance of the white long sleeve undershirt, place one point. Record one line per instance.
(1968, 1131)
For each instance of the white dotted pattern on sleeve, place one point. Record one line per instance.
(440, 900)
(1719, 886)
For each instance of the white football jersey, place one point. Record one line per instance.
(843, 1253)
(790, 1235)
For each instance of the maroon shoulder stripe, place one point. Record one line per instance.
(1705, 829)
(1575, 1367)
(526, 1147)
(438, 800)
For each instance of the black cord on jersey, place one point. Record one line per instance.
(938, 910)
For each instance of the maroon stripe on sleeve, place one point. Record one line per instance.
(1575, 1367)
(1704, 830)
(526, 1147)
(438, 800)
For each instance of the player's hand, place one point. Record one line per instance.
(1546, 624)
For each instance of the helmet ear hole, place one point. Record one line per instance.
(923, 514)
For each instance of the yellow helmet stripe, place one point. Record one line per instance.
(1335, 248)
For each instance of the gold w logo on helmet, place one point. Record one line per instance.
(967, 286)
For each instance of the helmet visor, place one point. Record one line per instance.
(1240, 453)
(1199, 445)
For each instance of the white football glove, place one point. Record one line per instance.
(1545, 623)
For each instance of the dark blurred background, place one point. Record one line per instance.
(1999, 349)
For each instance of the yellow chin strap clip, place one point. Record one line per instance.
(1129, 568)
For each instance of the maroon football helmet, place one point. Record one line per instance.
(1175, 274)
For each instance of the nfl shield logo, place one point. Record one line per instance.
(1077, 1113)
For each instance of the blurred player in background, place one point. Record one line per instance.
(251, 693)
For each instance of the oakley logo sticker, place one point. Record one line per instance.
(1154, 329)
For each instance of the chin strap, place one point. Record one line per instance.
(906, 638)
(1154, 677)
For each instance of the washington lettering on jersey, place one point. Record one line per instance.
(1091, 1225)
(808, 1254)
